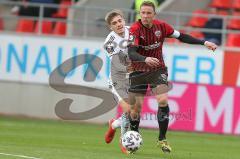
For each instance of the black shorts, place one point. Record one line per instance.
(139, 81)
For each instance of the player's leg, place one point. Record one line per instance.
(159, 78)
(113, 124)
(120, 95)
(121, 122)
(137, 91)
(124, 104)
(134, 116)
(163, 115)
(124, 127)
(163, 121)
(124, 117)
(116, 123)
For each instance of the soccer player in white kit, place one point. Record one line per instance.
(116, 47)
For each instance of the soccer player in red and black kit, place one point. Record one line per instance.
(145, 50)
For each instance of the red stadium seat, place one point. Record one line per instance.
(234, 23)
(222, 12)
(225, 4)
(197, 20)
(60, 28)
(233, 40)
(63, 9)
(25, 25)
(236, 4)
(47, 27)
(197, 34)
(1, 24)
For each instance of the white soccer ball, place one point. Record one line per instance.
(132, 141)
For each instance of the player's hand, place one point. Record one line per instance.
(152, 62)
(210, 45)
(130, 68)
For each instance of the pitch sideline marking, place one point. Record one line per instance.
(20, 156)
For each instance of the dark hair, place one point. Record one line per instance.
(148, 3)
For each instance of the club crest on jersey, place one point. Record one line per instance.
(142, 37)
(110, 48)
(158, 33)
(131, 40)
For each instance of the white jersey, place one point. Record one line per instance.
(116, 47)
(115, 44)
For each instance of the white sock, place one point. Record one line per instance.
(117, 123)
(125, 124)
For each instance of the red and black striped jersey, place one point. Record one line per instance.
(149, 42)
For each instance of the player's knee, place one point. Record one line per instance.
(134, 114)
(139, 102)
(163, 102)
(124, 105)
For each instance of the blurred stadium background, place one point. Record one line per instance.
(204, 101)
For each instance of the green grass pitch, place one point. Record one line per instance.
(63, 140)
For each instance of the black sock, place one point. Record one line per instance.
(163, 120)
(134, 123)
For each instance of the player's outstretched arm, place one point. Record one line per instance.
(191, 40)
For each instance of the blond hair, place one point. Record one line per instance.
(110, 15)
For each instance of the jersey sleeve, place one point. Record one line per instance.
(168, 29)
(133, 36)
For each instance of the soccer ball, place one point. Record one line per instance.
(132, 141)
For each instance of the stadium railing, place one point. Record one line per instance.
(91, 22)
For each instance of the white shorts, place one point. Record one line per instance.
(120, 89)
